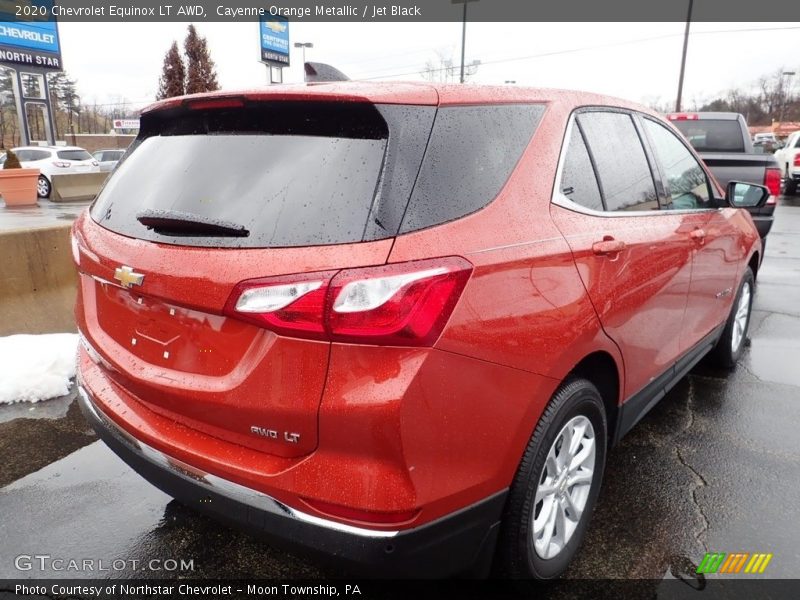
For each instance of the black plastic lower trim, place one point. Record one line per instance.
(638, 405)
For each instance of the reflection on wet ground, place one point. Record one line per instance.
(714, 467)
(44, 214)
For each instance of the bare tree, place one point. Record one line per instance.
(440, 68)
(443, 69)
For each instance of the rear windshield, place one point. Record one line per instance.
(279, 188)
(286, 174)
(74, 154)
(712, 135)
(283, 175)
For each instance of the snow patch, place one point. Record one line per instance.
(36, 367)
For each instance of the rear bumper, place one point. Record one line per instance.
(460, 542)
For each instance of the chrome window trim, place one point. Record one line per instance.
(563, 201)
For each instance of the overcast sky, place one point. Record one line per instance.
(636, 61)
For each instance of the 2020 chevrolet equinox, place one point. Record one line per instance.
(401, 324)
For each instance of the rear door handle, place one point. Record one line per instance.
(608, 247)
(698, 234)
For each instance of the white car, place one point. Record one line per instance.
(788, 159)
(55, 160)
(765, 137)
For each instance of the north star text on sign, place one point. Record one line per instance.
(396, 11)
(29, 59)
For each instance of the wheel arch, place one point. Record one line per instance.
(754, 263)
(602, 370)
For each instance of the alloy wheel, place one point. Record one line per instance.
(564, 487)
(740, 318)
(43, 187)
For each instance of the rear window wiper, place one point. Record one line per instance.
(176, 223)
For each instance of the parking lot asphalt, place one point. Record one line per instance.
(715, 467)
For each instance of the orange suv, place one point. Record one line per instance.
(401, 324)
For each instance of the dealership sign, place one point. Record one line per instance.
(126, 123)
(30, 43)
(274, 34)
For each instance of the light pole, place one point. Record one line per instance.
(683, 56)
(463, 33)
(304, 45)
(788, 74)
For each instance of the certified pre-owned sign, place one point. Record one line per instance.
(33, 43)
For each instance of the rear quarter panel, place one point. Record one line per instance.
(525, 310)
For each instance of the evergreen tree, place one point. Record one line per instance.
(64, 100)
(173, 74)
(201, 75)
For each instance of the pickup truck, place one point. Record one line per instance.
(723, 142)
(788, 159)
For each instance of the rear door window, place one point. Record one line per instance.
(578, 180)
(471, 153)
(625, 178)
(32, 155)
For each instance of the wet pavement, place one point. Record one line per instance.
(715, 467)
(43, 214)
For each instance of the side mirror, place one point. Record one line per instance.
(746, 195)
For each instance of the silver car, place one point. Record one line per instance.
(108, 159)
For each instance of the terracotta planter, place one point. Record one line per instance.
(18, 186)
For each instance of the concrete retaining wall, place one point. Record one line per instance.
(77, 186)
(38, 282)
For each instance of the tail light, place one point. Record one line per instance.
(292, 306)
(404, 304)
(60, 163)
(797, 160)
(682, 117)
(772, 181)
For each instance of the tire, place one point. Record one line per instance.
(521, 552)
(790, 188)
(43, 187)
(732, 342)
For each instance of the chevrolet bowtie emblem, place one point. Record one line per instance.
(128, 277)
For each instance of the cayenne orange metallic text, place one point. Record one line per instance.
(401, 324)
